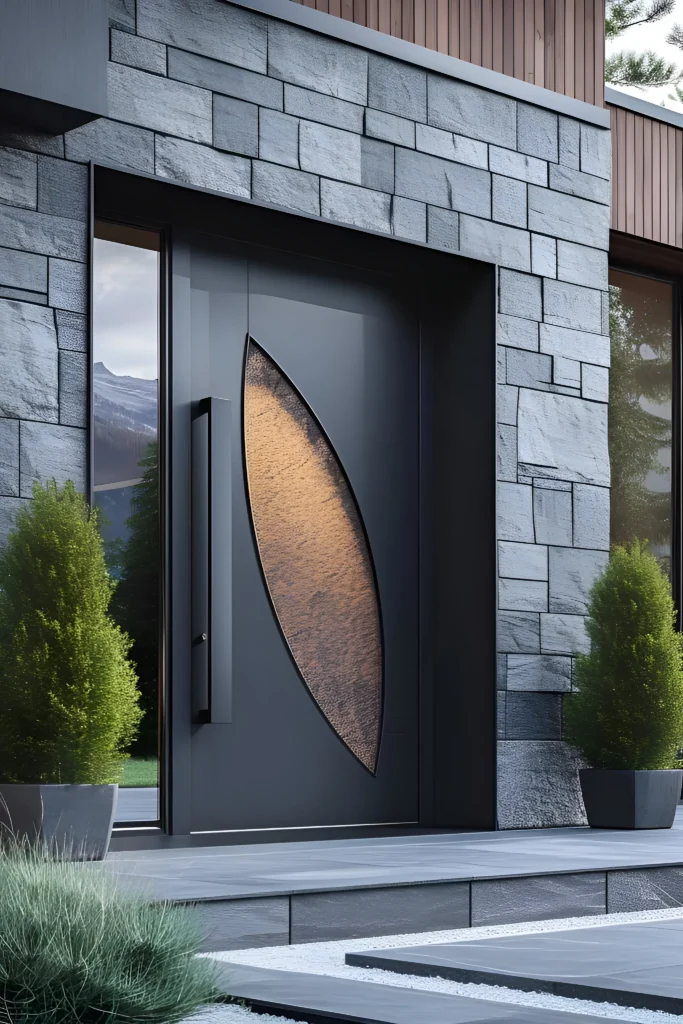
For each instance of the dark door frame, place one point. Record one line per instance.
(457, 502)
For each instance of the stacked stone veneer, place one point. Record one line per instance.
(228, 99)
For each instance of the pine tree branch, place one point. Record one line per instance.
(640, 69)
(621, 15)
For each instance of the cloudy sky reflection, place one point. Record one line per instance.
(126, 309)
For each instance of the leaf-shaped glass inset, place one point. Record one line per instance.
(314, 554)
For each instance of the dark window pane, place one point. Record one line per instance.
(641, 381)
(126, 485)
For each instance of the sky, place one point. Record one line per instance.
(126, 309)
(652, 37)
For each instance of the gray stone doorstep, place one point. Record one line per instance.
(281, 869)
(320, 998)
(637, 965)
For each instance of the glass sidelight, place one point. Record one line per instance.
(126, 277)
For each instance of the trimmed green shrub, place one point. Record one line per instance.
(628, 712)
(75, 950)
(67, 688)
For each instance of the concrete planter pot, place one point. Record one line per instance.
(616, 798)
(74, 820)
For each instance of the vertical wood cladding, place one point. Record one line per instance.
(647, 177)
(558, 44)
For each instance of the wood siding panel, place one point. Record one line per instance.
(557, 44)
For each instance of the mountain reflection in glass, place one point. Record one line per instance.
(314, 555)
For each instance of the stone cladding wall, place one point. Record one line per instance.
(215, 95)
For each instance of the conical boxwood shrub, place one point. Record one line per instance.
(76, 950)
(628, 711)
(68, 696)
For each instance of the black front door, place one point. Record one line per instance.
(294, 525)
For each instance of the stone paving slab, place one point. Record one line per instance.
(639, 965)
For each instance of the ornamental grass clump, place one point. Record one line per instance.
(74, 949)
(628, 711)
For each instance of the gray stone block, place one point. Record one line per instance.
(409, 219)
(51, 452)
(571, 305)
(581, 265)
(506, 404)
(18, 178)
(533, 716)
(202, 166)
(506, 453)
(317, 62)
(225, 78)
(235, 126)
(543, 256)
(286, 187)
(594, 383)
(522, 561)
(566, 372)
(605, 312)
(576, 183)
(139, 98)
(473, 112)
(552, 516)
(330, 152)
(34, 142)
(9, 507)
(451, 147)
(537, 132)
(569, 143)
(500, 715)
(360, 207)
(596, 151)
(564, 634)
(62, 188)
(523, 596)
(397, 88)
(242, 924)
(122, 14)
(573, 571)
(518, 632)
(496, 243)
(278, 138)
(23, 296)
(539, 672)
(509, 201)
(501, 672)
(517, 332)
(538, 787)
(538, 899)
(553, 485)
(219, 30)
(390, 128)
(9, 457)
(68, 285)
(28, 361)
(314, 106)
(519, 294)
(443, 228)
(514, 512)
(576, 220)
(356, 913)
(377, 164)
(73, 388)
(591, 517)
(23, 270)
(501, 368)
(646, 889)
(572, 344)
(442, 183)
(112, 142)
(563, 438)
(518, 165)
(72, 331)
(528, 369)
(145, 54)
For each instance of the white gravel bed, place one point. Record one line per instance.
(327, 958)
(227, 1014)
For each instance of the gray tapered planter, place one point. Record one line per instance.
(616, 798)
(75, 821)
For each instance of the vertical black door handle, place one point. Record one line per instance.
(212, 562)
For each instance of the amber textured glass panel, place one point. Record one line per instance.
(314, 555)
